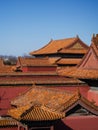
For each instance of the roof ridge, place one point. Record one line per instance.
(56, 48)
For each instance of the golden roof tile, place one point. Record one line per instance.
(79, 73)
(44, 96)
(7, 121)
(35, 113)
(37, 79)
(6, 69)
(74, 51)
(49, 109)
(35, 73)
(69, 61)
(55, 46)
(34, 61)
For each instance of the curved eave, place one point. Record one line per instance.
(7, 121)
(35, 113)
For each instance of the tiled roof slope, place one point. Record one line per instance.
(47, 104)
(50, 98)
(68, 61)
(55, 46)
(77, 47)
(5, 68)
(74, 51)
(35, 113)
(42, 79)
(91, 56)
(7, 121)
(34, 61)
(79, 73)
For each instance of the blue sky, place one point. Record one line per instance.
(27, 25)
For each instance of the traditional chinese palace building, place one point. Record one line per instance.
(64, 52)
(39, 93)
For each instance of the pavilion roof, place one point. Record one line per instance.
(39, 103)
(34, 61)
(35, 113)
(56, 46)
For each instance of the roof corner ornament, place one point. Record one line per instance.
(77, 36)
(51, 39)
(93, 37)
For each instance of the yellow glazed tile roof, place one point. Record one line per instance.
(35, 113)
(34, 61)
(69, 61)
(44, 96)
(41, 79)
(74, 51)
(7, 121)
(79, 73)
(6, 69)
(40, 112)
(53, 46)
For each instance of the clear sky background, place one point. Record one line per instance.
(27, 25)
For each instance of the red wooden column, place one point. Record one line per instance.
(26, 128)
(22, 127)
(19, 127)
(52, 128)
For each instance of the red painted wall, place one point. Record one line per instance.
(6, 95)
(93, 96)
(90, 61)
(83, 89)
(39, 68)
(78, 123)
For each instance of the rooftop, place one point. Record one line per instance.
(55, 46)
(34, 61)
(42, 96)
(88, 66)
(34, 113)
(68, 61)
(39, 103)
